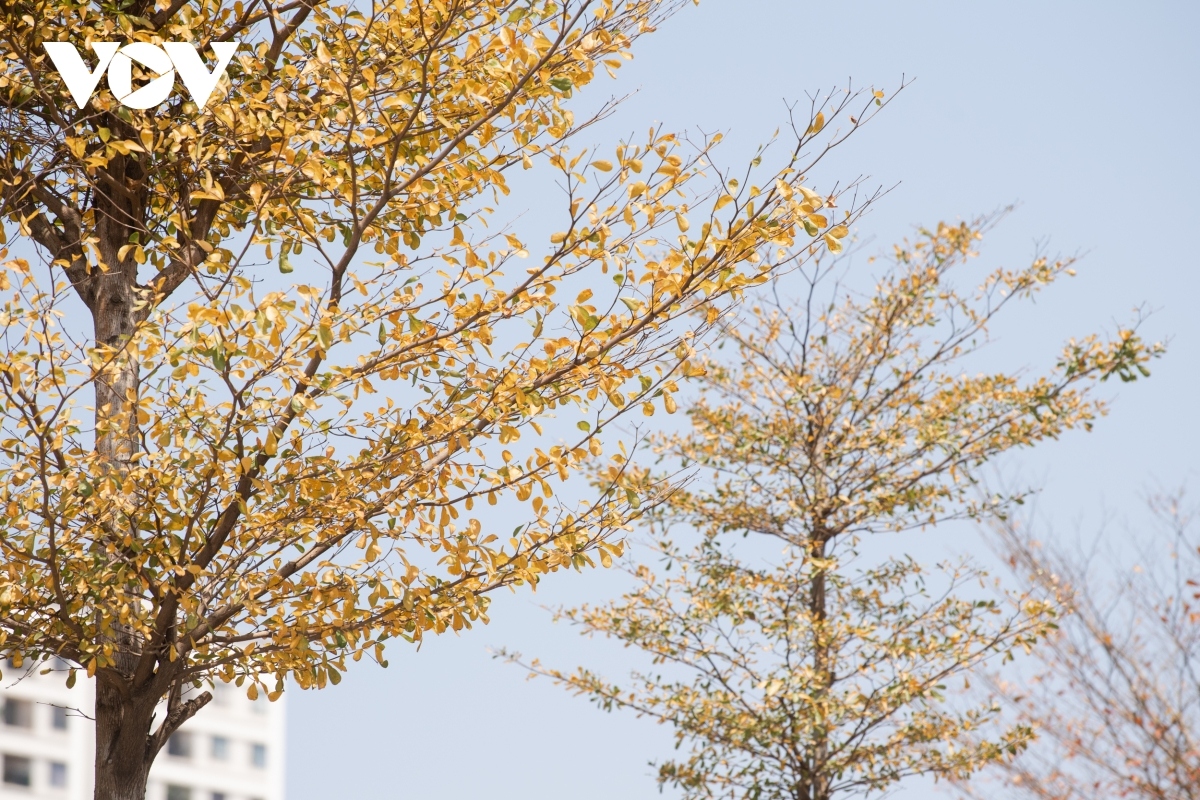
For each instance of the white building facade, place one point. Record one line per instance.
(233, 749)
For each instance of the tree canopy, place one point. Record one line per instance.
(1113, 696)
(793, 649)
(265, 363)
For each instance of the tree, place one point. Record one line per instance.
(268, 356)
(819, 670)
(1114, 696)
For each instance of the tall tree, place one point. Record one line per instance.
(790, 657)
(269, 358)
(1115, 695)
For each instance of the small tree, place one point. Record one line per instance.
(1115, 695)
(235, 446)
(805, 675)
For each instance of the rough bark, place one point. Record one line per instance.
(123, 743)
(115, 316)
(125, 746)
(126, 739)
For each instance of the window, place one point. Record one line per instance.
(18, 771)
(222, 693)
(258, 755)
(259, 705)
(217, 796)
(180, 744)
(178, 792)
(58, 718)
(18, 713)
(220, 748)
(58, 774)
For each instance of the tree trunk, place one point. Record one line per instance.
(124, 712)
(114, 320)
(123, 751)
(822, 664)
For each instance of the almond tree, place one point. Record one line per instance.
(264, 363)
(790, 657)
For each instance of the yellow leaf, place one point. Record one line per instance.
(367, 154)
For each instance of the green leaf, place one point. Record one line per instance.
(285, 250)
(562, 84)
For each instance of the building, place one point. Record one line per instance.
(231, 750)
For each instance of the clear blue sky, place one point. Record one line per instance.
(1084, 112)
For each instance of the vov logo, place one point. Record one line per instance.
(166, 60)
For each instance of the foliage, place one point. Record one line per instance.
(1114, 696)
(266, 454)
(800, 673)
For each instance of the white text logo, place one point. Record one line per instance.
(166, 60)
